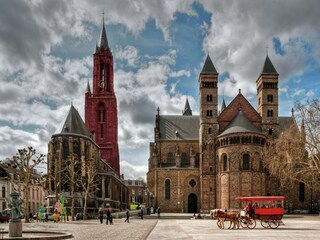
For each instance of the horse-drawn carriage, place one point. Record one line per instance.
(268, 209)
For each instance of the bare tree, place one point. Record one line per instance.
(73, 182)
(294, 156)
(88, 182)
(28, 159)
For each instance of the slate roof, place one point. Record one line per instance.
(174, 127)
(268, 67)
(208, 66)
(285, 122)
(74, 124)
(240, 124)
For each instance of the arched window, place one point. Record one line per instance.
(170, 157)
(167, 189)
(184, 159)
(246, 162)
(225, 163)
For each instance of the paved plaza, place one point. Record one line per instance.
(174, 227)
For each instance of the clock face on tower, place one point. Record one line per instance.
(101, 84)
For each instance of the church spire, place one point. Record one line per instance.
(268, 67)
(223, 105)
(208, 66)
(88, 88)
(187, 110)
(103, 41)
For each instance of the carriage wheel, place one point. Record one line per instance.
(274, 222)
(265, 223)
(244, 222)
(251, 223)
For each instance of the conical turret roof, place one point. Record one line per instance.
(74, 124)
(208, 66)
(268, 67)
(223, 105)
(187, 110)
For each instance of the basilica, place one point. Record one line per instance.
(198, 163)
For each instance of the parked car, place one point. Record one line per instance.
(4, 217)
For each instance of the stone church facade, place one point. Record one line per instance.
(198, 163)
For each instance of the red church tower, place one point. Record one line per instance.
(101, 113)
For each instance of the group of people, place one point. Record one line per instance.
(109, 217)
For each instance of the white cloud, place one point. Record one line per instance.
(129, 53)
(241, 30)
(298, 92)
(132, 171)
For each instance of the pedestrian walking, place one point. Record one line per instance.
(101, 215)
(127, 215)
(141, 213)
(108, 216)
(158, 212)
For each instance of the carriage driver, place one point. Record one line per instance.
(249, 209)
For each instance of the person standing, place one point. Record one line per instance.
(158, 212)
(127, 215)
(108, 216)
(141, 213)
(101, 215)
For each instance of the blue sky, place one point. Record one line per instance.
(159, 47)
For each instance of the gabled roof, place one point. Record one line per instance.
(187, 110)
(240, 124)
(74, 124)
(173, 127)
(268, 67)
(208, 66)
(231, 111)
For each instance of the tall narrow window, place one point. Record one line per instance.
(102, 79)
(167, 189)
(225, 164)
(4, 205)
(246, 162)
(3, 191)
(170, 157)
(270, 98)
(185, 159)
(108, 77)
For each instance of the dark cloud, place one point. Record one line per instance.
(141, 110)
